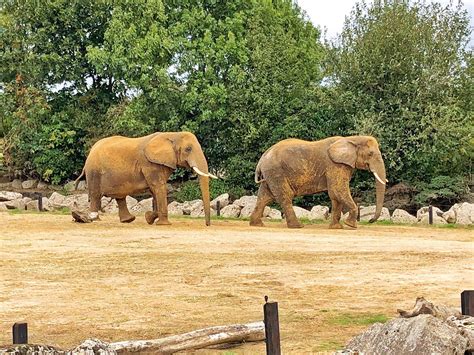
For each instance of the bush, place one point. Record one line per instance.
(190, 190)
(441, 190)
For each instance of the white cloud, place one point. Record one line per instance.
(330, 14)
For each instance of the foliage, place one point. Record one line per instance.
(442, 189)
(403, 73)
(241, 75)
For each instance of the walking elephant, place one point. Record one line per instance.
(295, 167)
(120, 166)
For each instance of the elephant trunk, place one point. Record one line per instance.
(199, 165)
(378, 169)
(204, 185)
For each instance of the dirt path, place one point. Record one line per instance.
(115, 282)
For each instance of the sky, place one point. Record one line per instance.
(330, 14)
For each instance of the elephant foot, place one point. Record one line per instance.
(335, 226)
(163, 222)
(351, 223)
(294, 225)
(256, 223)
(128, 219)
(150, 217)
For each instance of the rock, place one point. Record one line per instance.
(33, 205)
(231, 211)
(188, 206)
(108, 205)
(464, 213)
(80, 201)
(82, 185)
(200, 212)
(42, 185)
(247, 210)
(9, 196)
(5, 185)
(366, 213)
(246, 201)
(81, 217)
(422, 306)
(301, 212)
(16, 184)
(3, 207)
(29, 184)
(450, 216)
(57, 200)
(223, 200)
(17, 204)
(419, 335)
(402, 216)
(69, 186)
(425, 219)
(26, 200)
(274, 214)
(425, 210)
(131, 202)
(175, 209)
(319, 213)
(146, 204)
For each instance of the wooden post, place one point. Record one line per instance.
(272, 327)
(467, 302)
(358, 213)
(40, 201)
(218, 206)
(430, 214)
(20, 333)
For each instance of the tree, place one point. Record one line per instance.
(401, 71)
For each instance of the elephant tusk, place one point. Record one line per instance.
(378, 178)
(212, 176)
(196, 169)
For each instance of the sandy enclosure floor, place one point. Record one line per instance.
(118, 281)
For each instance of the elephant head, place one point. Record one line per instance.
(362, 152)
(182, 149)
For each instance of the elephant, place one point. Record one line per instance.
(294, 167)
(119, 166)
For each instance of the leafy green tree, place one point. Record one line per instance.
(402, 71)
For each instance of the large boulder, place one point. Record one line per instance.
(246, 201)
(301, 213)
(366, 213)
(58, 200)
(319, 213)
(425, 211)
(175, 209)
(423, 334)
(231, 211)
(274, 214)
(29, 184)
(17, 204)
(223, 201)
(247, 210)
(82, 185)
(9, 196)
(42, 185)
(16, 184)
(80, 201)
(146, 204)
(402, 216)
(3, 207)
(460, 213)
(425, 219)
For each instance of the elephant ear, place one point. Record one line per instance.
(343, 151)
(160, 150)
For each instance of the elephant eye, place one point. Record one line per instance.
(188, 149)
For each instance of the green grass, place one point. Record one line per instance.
(329, 345)
(346, 319)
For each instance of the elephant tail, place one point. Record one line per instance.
(258, 174)
(79, 178)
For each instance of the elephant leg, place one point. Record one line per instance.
(284, 196)
(263, 199)
(159, 192)
(93, 183)
(335, 214)
(151, 216)
(342, 198)
(124, 214)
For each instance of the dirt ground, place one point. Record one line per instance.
(117, 281)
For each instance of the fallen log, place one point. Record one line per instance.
(198, 339)
(220, 336)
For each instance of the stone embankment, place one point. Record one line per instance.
(460, 213)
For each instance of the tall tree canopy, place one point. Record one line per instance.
(402, 71)
(239, 74)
